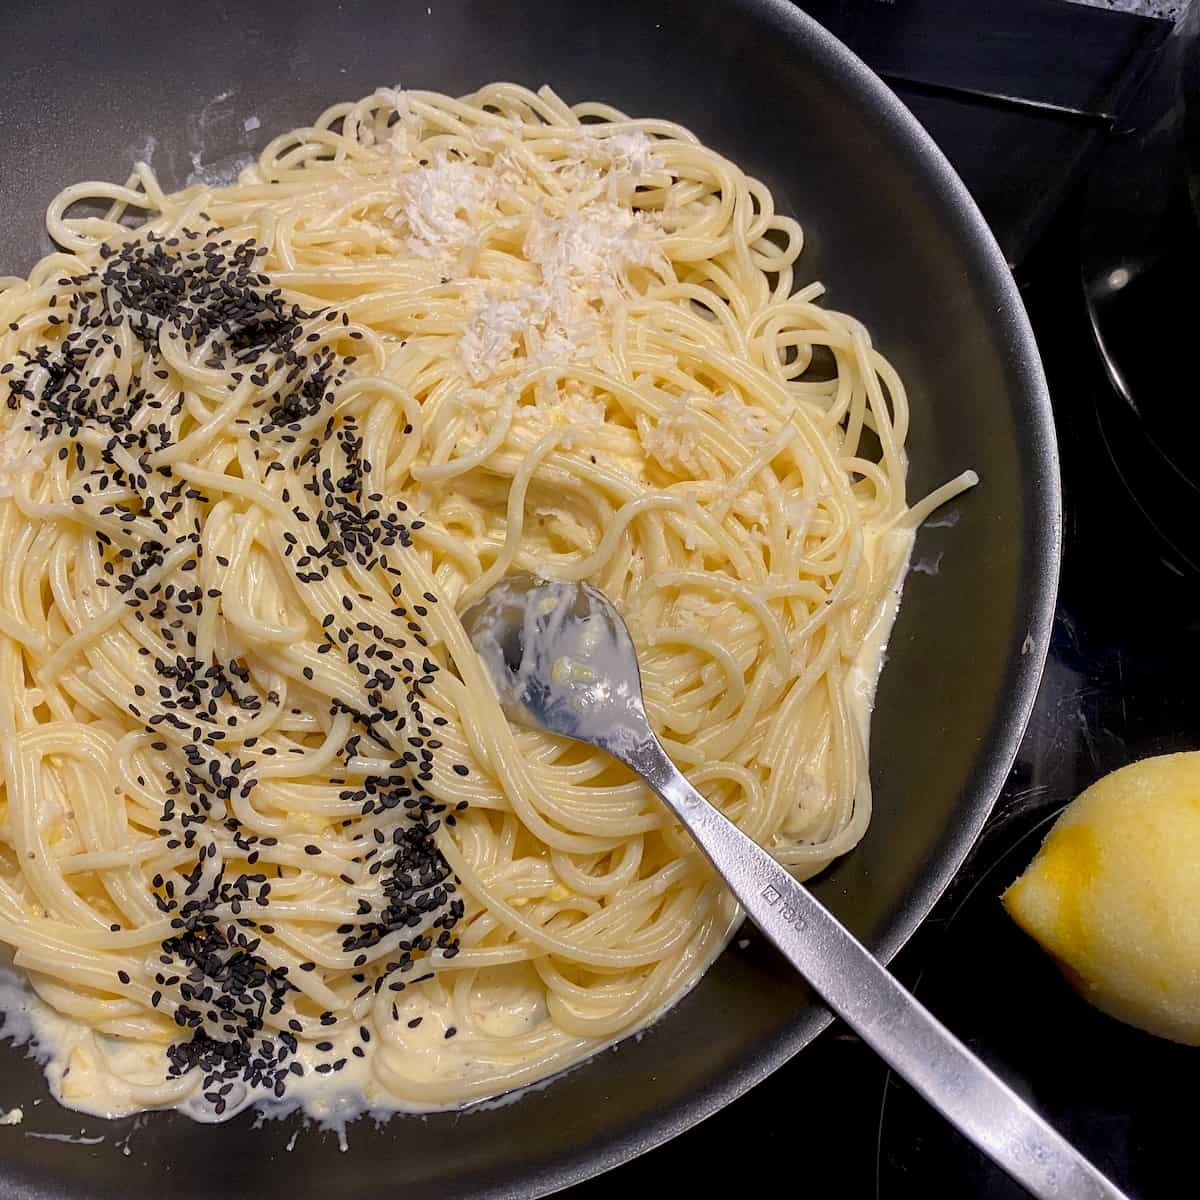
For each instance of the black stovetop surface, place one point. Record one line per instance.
(1020, 94)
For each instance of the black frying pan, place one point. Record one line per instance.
(84, 85)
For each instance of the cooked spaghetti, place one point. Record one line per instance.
(264, 831)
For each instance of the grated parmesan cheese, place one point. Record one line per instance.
(578, 406)
(581, 254)
(753, 423)
(442, 206)
(630, 153)
(672, 438)
(580, 257)
(491, 336)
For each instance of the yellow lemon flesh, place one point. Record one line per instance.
(1114, 895)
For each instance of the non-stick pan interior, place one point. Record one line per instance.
(86, 88)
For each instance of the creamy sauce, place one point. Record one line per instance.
(862, 680)
(103, 1075)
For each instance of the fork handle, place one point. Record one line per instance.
(870, 1000)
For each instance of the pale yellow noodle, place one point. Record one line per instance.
(582, 345)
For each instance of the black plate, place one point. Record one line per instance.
(86, 88)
